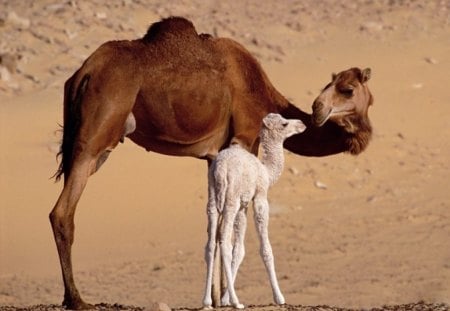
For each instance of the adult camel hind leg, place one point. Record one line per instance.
(62, 220)
(93, 126)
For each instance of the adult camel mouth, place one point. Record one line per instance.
(319, 118)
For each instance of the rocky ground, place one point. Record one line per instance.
(419, 306)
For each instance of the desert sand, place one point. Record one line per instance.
(351, 232)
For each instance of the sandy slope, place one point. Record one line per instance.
(378, 234)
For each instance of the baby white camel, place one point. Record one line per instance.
(235, 178)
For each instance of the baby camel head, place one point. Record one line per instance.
(277, 128)
(345, 101)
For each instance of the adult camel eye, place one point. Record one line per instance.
(348, 91)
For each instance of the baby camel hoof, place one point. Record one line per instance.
(209, 307)
(225, 301)
(239, 306)
(280, 300)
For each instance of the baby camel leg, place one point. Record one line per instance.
(261, 215)
(229, 216)
(210, 250)
(240, 226)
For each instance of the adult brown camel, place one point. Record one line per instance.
(179, 93)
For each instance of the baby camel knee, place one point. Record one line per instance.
(266, 254)
(209, 250)
(226, 249)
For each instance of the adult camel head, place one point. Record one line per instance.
(345, 101)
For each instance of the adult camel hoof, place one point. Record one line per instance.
(77, 304)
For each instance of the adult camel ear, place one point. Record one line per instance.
(365, 75)
(333, 76)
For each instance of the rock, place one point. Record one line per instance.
(431, 60)
(56, 7)
(70, 34)
(296, 26)
(320, 185)
(5, 75)
(293, 171)
(371, 198)
(31, 77)
(400, 135)
(17, 21)
(254, 41)
(371, 26)
(100, 15)
(9, 61)
(158, 306)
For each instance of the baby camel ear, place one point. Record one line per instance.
(365, 75)
(267, 123)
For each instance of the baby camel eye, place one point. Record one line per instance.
(285, 124)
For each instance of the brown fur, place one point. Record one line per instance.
(190, 95)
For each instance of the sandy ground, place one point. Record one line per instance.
(351, 232)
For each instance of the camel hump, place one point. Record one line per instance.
(171, 26)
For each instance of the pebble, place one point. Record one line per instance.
(70, 34)
(371, 198)
(100, 15)
(55, 7)
(431, 60)
(5, 75)
(9, 61)
(32, 78)
(320, 185)
(371, 26)
(293, 171)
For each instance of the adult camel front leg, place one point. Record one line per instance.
(212, 294)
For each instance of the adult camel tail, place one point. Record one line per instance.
(73, 95)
